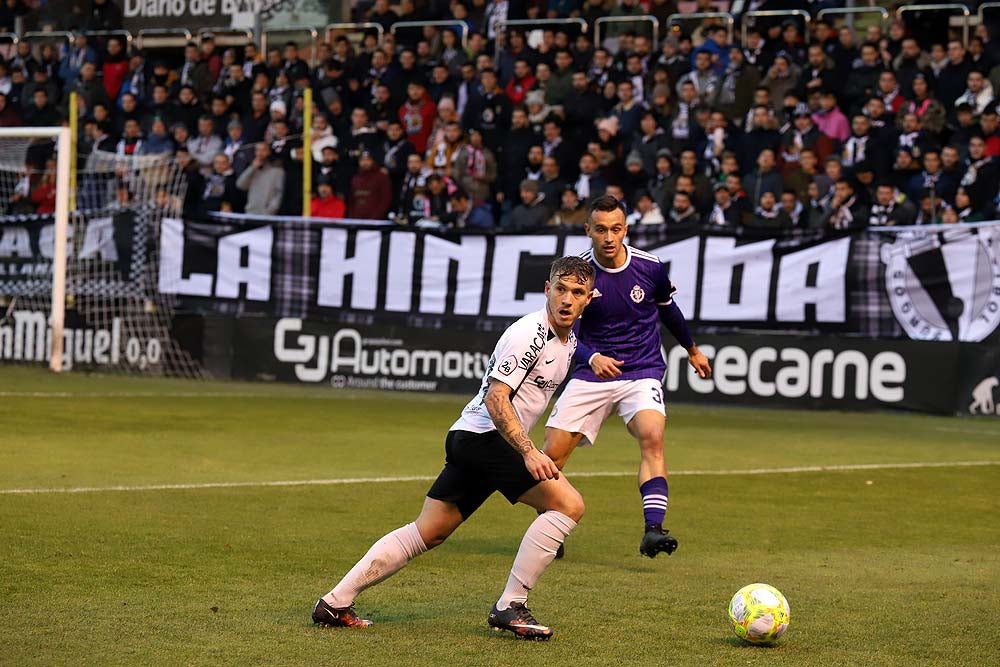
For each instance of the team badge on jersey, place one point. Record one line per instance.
(508, 365)
(637, 294)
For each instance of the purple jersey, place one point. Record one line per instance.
(622, 320)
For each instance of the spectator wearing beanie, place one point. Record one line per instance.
(533, 212)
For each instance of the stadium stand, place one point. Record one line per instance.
(769, 115)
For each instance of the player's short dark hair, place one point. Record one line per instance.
(576, 267)
(604, 204)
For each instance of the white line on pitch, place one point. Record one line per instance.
(428, 478)
(969, 431)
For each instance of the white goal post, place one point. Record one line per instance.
(64, 157)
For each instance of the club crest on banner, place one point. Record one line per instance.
(945, 285)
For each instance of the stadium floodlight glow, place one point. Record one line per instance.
(64, 154)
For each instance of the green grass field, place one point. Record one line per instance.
(881, 566)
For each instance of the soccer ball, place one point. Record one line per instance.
(759, 613)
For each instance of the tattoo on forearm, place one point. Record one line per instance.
(508, 425)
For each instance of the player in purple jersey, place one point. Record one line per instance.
(619, 365)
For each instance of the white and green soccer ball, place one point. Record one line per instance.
(759, 613)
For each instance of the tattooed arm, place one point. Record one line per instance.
(509, 426)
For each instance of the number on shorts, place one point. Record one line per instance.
(657, 395)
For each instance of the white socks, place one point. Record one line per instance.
(538, 549)
(385, 558)
(388, 556)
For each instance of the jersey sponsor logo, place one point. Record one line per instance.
(535, 347)
(545, 385)
(508, 365)
(965, 306)
(637, 294)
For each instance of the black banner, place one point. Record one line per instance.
(358, 357)
(926, 284)
(820, 372)
(106, 254)
(826, 372)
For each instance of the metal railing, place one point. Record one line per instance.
(265, 37)
(981, 12)
(225, 37)
(124, 34)
(534, 24)
(851, 12)
(727, 19)
(952, 7)
(651, 20)
(362, 28)
(775, 13)
(42, 36)
(410, 25)
(163, 38)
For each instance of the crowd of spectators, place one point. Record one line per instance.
(836, 129)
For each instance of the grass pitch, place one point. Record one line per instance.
(881, 566)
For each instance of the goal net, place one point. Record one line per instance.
(94, 306)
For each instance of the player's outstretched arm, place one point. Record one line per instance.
(673, 319)
(606, 368)
(509, 426)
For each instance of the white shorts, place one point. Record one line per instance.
(584, 406)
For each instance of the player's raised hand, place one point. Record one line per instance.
(699, 362)
(540, 465)
(606, 368)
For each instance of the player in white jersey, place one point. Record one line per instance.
(488, 450)
(620, 365)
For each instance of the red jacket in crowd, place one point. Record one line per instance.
(44, 197)
(517, 89)
(115, 72)
(331, 207)
(418, 121)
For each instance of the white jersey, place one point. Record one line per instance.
(532, 361)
